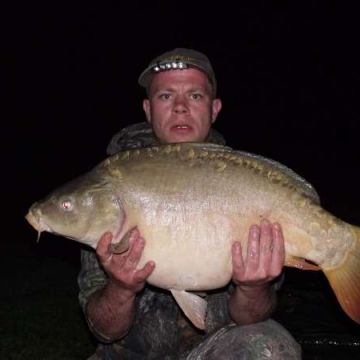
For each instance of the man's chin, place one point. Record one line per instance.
(181, 139)
(185, 136)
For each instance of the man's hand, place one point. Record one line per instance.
(254, 298)
(264, 259)
(121, 268)
(111, 310)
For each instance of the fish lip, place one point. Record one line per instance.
(31, 219)
(36, 222)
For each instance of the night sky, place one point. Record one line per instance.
(287, 75)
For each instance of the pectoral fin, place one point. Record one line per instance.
(193, 306)
(122, 245)
(300, 263)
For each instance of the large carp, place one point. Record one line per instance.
(190, 201)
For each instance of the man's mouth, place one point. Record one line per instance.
(182, 131)
(182, 126)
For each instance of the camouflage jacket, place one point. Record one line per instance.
(160, 331)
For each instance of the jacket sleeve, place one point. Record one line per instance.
(91, 277)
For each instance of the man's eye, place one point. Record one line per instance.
(196, 96)
(165, 96)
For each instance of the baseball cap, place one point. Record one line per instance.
(179, 58)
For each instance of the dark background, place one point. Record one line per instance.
(288, 77)
(287, 74)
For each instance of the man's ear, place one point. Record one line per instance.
(147, 107)
(216, 107)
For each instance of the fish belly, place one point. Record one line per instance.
(188, 267)
(189, 254)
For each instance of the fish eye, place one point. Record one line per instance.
(67, 205)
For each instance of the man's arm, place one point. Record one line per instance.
(254, 298)
(111, 310)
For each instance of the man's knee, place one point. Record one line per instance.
(265, 340)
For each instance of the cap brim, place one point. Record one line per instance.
(145, 77)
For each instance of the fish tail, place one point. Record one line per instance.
(345, 280)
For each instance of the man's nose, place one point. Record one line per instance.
(180, 104)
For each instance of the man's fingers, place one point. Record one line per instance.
(278, 253)
(266, 244)
(237, 259)
(145, 272)
(135, 253)
(103, 247)
(134, 235)
(253, 250)
(266, 237)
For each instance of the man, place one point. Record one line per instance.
(133, 320)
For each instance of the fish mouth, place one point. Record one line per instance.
(36, 223)
(33, 221)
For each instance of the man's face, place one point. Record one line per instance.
(181, 106)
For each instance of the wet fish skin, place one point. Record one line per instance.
(190, 202)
